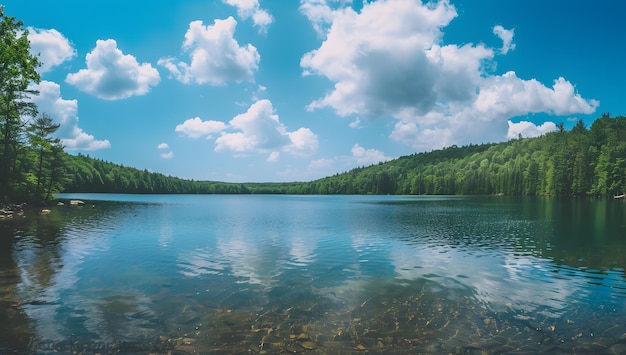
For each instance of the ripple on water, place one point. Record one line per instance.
(199, 262)
(431, 276)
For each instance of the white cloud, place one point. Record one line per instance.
(251, 9)
(196, 128)
(389, 61)
(216, 57)
(369, 156)
(262, 19)
(507, 38)
(356, 123)
(509, 96)
(411, 134)
(303, 142)
(319, 14)
(273, 157)
(168, 155)
(64, 112)
(113, 75)
(529, 129)
(378, 58)
(259, 131)
(51, 46)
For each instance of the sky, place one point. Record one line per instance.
(295, 90)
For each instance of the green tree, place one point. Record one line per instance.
(42, 143)
(17, 72)
(580, 170)
(57, 172)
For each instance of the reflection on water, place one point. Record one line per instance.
(270, 274)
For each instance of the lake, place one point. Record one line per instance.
(320, 274)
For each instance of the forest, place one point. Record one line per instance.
(583, 161)
(31, 158)
(579, 162)
(85, 174)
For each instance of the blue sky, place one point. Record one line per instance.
(287, 90)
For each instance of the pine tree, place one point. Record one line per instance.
(17, 72)
(40, 137)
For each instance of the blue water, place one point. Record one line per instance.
(276, 273)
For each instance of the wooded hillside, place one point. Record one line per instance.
(85, 174)
(580, 162)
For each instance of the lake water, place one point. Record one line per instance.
(326, 274)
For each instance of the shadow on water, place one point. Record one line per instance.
(15, 331)
(34, 237)
(576, 233)
(31, 248)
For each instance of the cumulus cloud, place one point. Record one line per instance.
(65, 113)
(251, 9)
(168, 155)
(509, 96)
(51, 46)
(389, 61)
(368, 156)
(113, 75)
(378, 58)
(507, 38)
(319, 13)
(163, 146)
(216, 57)
(303, 142)
(529, 130)
(412, 134)
(196, 127)
(259, 130)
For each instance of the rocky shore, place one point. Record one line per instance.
(11, 210)
(8, 211)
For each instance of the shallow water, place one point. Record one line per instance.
(326, 274)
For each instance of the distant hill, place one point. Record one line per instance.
(87, 174)
(580, 162)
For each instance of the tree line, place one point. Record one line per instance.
(86, 174)
(578, 162)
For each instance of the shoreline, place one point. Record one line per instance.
(12, 211)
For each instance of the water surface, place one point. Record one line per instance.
(276, 273)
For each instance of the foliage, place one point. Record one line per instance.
(17, 72)
(94, 175)
(580, 162)
(47, 153)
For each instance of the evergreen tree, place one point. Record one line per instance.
(17, 72)
(42, 143)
